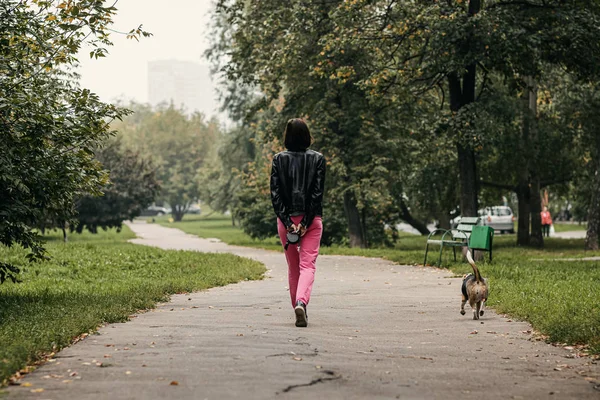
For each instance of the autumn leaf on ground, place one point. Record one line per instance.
(174, 383)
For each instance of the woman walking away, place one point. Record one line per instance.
(546, 222)
(297, 184)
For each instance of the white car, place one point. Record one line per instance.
(501, 218)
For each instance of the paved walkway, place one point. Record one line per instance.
(376, 331)
(570, 235)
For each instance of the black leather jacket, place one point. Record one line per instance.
(297, 184)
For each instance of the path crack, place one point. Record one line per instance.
(332, 377)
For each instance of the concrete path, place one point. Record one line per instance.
(376, 331)
(570, 235)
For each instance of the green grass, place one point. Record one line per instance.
(561, 299)
(558, 227)
(96, 279)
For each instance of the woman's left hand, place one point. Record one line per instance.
(301, 229)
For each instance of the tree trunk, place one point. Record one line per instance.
(64, 231)
(466, 156)
(177, 216)
(232, 220)
(468, 181)
(591, 238)
(363, 221)
(444, 220)
(355, 229)
(530, 125)
(409, 219)
(537, 239)
(523, 196)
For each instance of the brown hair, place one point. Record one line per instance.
(297, 136)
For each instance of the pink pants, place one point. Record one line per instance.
(302, 259)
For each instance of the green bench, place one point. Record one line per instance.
(459, 237)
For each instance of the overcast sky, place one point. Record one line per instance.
(180, 29)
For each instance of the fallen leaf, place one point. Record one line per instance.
(174, 383)
(40, 390)
(474, 332)
(194, 306)
(128, 373)
(297, 358)
(67, 381)
(558, 369)
(125, 348)
(27, 384)
(240, 334)
(74, 373)
(86, 363)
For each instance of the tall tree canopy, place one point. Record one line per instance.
(48, 124)
(470, 74)
(179, 145)
(133, 187)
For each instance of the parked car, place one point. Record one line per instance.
(154, 211)
(194, 209)
(501, 218)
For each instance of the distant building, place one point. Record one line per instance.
(183, 83)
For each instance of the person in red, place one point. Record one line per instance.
(546, 222)
(297, 186)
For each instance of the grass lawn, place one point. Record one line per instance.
(96, 279)
(562, 227)
(561, 299)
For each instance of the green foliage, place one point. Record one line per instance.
(98, 279)
(403, 98)
(132, 188)
(178, 144)
(219, 179)
(49, 125)
(271, 49)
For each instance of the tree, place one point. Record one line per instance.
(453, 49)
(275, 47)
(132, 188)
(219, 178)
(578, 103)
(179, 145)
(49, 125)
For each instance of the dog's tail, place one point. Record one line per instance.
(475, 270)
